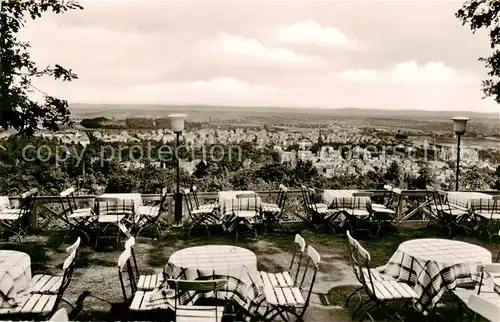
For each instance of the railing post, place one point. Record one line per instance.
(32, 219)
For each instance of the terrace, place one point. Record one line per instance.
(95, 289)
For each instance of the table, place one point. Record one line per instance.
(136, 197)
(16, 267)
(227, 198)
(434, 266)
(463, 199)
(330, 195)
(235, 264)
(4, 202)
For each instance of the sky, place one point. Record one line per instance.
(327, 54)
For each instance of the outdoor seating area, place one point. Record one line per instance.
(350, 256)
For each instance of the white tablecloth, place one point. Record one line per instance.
(228, 198)
(235, 264)
(4, 202)
(330, 195)
(15, 266)
(435, 265)
(463, 199)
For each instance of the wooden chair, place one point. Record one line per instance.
(135, 300)
(273, 212)
(358, 271)
(201, 218)
(318, 213)
(77, 219)
(380, 292)
(452, 218)
(197, 206)
(39, 305)
(487, 213)
(149, 216)
(485, 289)
(384, 216)
(13, 220)
(143, 282)
(287, 278)
(386, 198)
(197, 313)
(50, 284)
(291, 303)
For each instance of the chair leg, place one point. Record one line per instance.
(356, 291)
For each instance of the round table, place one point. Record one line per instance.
(434, 266)
(17, 267)
(235, 264)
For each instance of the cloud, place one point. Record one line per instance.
(309, 33)
(249, 50)
(409, 73)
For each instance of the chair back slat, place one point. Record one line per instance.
(74, 247)
(295, 264)
(129, 244)
(124, 266)
(311, 270)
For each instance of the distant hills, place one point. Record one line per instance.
(205, 112)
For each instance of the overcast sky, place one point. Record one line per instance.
(365, 54)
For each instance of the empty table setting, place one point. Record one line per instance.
(435, 266)
(237, 265)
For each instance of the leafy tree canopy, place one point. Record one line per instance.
(485, 14)
(18, 109)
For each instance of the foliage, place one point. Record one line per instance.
(485, 14)
(17, 107)
(393, 174)
(94, 123)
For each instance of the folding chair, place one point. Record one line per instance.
(487, 213)
(386, 198)
(13, 220)
(135, 300)
(200, 218)
(451, 217)
(384, 216)
(291, 303)
(319, 213)
(485, 307)
(113, 212)
(287, 278)
(273, 212)
(210, 207)
(149, 216)
(40, 305)
(143, 282)
(77, 219)
(380, 292)
(197, 313)
(376, 273)
(485, 289)
(50, 284)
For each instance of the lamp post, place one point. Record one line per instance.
(459, 126)
(177, 125)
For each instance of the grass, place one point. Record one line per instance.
(97, 273)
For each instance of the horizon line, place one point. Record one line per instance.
(293, 107)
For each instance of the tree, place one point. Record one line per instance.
(485, 14)
(17, 109)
